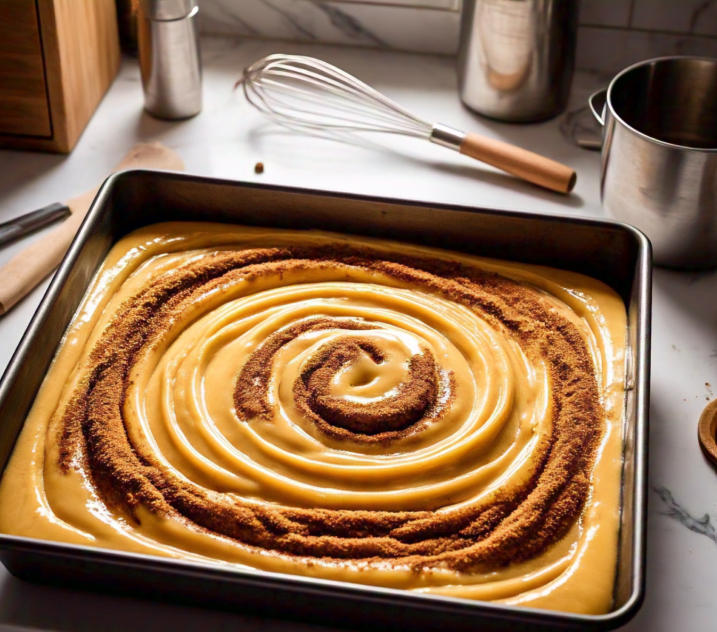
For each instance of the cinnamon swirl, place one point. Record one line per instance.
(336, 407)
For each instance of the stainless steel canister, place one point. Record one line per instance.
(516, 57)
(659, 156)
(168, 37)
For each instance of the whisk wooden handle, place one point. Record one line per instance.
(520, 162)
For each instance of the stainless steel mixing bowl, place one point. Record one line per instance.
(659, 156)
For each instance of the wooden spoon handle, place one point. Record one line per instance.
(27, 268)
(31, 265)
(520, 162)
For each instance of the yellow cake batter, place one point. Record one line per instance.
(233, 417)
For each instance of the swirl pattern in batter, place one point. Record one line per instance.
(342, 408)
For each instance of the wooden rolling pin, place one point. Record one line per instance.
(27, 268)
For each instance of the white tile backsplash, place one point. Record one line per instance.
(613, 33)
(705, 21)
(677, 16)
(602, 49)
(663, 15)
(611, 50)
(606, 13)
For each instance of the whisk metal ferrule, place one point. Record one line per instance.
(447, 136)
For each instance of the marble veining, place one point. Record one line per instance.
(579, 126)
(611, 36)
(292, 19)
(701, 13)
(223, 14)
(388, 25)
(675, 510)
(348, 24)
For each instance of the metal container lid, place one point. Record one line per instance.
(165, 10)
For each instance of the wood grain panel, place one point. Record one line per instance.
(23, 98)
(81, 55)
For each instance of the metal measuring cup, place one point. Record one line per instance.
(659, 156)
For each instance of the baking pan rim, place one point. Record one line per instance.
(641, 275)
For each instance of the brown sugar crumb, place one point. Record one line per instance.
(406, 413)
(513, 526)
(395, 417)
(251, 390)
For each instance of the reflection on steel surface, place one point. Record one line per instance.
(516, 57)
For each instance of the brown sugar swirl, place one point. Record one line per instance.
(403, 413)
(346, 409)
(382, 420)
(510, 527)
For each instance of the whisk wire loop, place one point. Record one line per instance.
(365, 91)
(312, 94)
(308, 96)
(291, 111)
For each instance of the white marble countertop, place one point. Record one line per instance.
(228, 138)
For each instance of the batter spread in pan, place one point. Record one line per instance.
(336, 407)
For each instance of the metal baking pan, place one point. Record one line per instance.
(615, 253)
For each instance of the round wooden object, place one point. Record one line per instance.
(707, 429)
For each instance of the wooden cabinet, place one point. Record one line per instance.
(57, 60)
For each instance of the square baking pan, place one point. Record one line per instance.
(615, 253)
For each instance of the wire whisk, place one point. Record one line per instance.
(309, 95)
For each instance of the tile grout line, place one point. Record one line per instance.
(631, 14)
(605, 27)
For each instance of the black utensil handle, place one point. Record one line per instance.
(21, 226)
